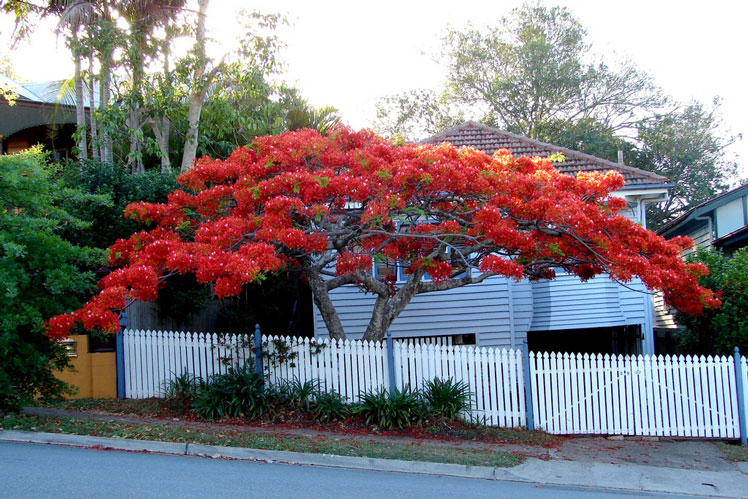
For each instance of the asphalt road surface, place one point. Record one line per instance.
(33, 470)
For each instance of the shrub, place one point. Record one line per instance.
(294, 393)
(238, 393)
(41, 275)
(400, 409)
(182, 390)
(719, 331)
(447, 398)
(302, 394)
(330, 406)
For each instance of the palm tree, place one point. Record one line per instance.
(142, 16)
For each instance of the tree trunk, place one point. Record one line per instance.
(378, 324)
(388, 308)
(135, 157)
(325, 306)
(162, 138)
(163, 144)
(107, 154)
(80, 112)
(92, 109)
(162, 133)
(199, 88)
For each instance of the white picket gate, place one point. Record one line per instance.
(635, 395)
(648, 395)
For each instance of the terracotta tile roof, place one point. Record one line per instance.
(488, 140)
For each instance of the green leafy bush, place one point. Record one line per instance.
(41, 274)
(402, 408)
(182, 390)
(329, 406)
(447, 398)
(120, 188)
(302, 394)
(238, 393)
(719, 331)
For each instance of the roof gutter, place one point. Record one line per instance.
(632, 187)
(645, 201)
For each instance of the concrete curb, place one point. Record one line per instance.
(350, 462)
(88, 441)
(625, 477)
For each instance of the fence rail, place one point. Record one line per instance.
(570, 393)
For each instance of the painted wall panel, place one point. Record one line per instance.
(481, 309)
(569, 303)
(730, 217)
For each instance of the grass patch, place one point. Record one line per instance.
(136, 407)
(236, 438)
(734, 452)
(289, 416)
(493, 434)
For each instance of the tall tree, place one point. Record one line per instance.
(143, 18)
(200, 82)
(534, 74)
(531, 70)
(330, 206)
(687, 147)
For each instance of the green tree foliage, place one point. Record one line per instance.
(719, 331)
(106, 223)
(532, 70)
(41, 274)
(686, 146)
(534, 74)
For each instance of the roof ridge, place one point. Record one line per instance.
(546, 145)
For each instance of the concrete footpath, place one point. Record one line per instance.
(618, 476)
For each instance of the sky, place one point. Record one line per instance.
(349, 54)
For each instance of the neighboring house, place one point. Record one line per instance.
(36, 118)
(560, 315)
(720, 223)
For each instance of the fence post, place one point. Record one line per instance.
(391, 362)
(258, 351)
(741, 397)
(528, 385)
(120, 356)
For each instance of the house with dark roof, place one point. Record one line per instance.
(720, 223)
(565, 314)
(37, 117)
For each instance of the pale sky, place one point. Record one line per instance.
(349, 54)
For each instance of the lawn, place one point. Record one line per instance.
(294, 417)
(216, 435)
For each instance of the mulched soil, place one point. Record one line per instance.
(344, 430)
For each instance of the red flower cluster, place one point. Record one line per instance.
(308, 201)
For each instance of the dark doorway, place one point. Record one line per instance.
(610, 340)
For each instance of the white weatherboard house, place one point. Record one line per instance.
(564, 314)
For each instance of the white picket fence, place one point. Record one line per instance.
(571, 393)
(350, 368)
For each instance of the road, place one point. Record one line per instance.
(33, 470)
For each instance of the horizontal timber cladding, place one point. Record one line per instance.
(569, 303)
(701, 236)
(481, 309)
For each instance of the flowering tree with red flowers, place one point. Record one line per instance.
(330, 207)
